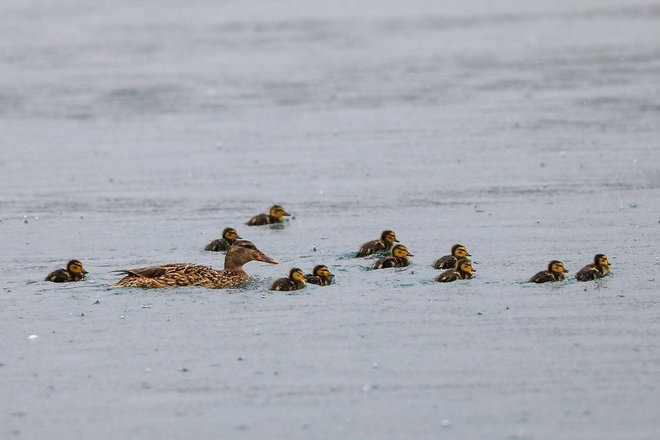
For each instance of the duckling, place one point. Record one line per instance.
(555, 272)
(385, 243)
(449, 261)
(320, 275)
(599, 269)
(185, 274)
(399, 258)
(229, 237)
(276, 215)
(74, 272)
(295, 281)
(462, 271)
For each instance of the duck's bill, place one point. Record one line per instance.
(286, 214)
(238, 237)
(85, 272)
(468, 255)
(266, 259)
(565, 270)
(410, 255)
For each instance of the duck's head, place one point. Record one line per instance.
(557, 267)
(389, 237)
(321, 271)
(459, 251)
(296, 274)
(601, 260)
(230, 234)
(75, 266)
(278, 212)
(464, 265)
(401, 251)
(243, 251)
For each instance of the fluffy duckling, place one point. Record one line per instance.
(399, 258)
(449, 261)
(462, 271)
(320, 275)
(598, 269)
(555, 272)
(74, 272)
(184, 274)
(275, 215)
(295, 281)
(385, 243)
(229, 237)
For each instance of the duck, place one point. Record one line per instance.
(276, 215)
(555, 272)
(229, 237)
(399, 258)
(462, 271)
(449, 261)
(186, 274)
(320, 275)
(598, 269)
(295, 281)
(384, 243)
(74, 272)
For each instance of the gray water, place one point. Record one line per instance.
(134, 132)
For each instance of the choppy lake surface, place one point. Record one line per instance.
(132, 134)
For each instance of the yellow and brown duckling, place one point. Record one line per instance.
(449, 261)
(295, 281)
(74, 272)
(383, 244)
(556, 272)
(185, 274)
(399, 258)
(321, 275)
(598, 269)
(229, 237)
(462, 271)
(275, 215)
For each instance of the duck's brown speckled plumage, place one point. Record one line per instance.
(555, 272)
(462, 271)
(295, 281)
(598, 269)
(74, 272)
(449, 261)
(185, 274)
(384, 243)
(399, 258)
(321, 275)
(276, 215)
(229, 237)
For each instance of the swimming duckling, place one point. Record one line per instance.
(599, 269)
(229, 237)
(295, 281)
(399, 258)
(555, 272)
(74, 272)
(185, 274)
(276, 215)
(320, 275)
(385, 243)
(449, 261)
(462, 271)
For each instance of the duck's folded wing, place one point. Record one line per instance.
(145, 272)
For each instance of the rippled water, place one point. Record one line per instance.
(132, 134)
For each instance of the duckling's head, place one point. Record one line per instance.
(278, 212)
(321, 271)
(556, 267)
(601, 260)
(389, 237)
(401, 251)
(459, 251)
(243, 251)
(296, 274)
(230, 234)
(464, 265)
(75, 266)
